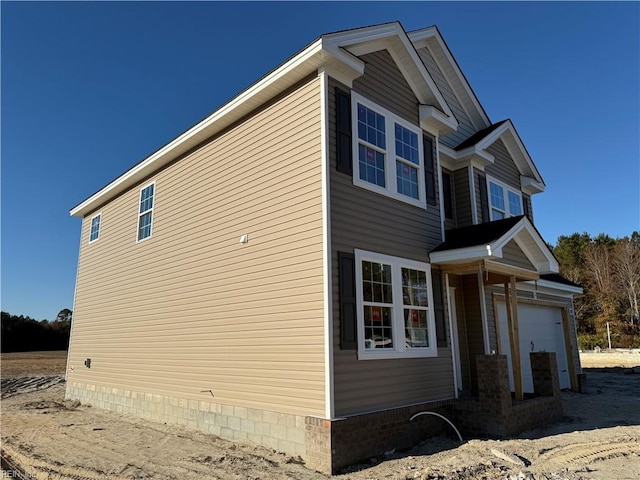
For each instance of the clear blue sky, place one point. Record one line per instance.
(89, 89)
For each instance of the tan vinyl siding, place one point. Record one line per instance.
(191, 309)
(465, 127)
(503, 168)
(365, 220)
(462, 194)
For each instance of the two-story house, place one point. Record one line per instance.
(328, 252)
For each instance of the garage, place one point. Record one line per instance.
(541, 330)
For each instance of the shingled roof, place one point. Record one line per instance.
(481, 234)
(479, 135)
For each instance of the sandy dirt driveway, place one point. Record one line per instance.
(51, 438)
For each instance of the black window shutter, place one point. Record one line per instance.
(438, 308)
(429, 171)
(344, 151)
(446, 192)
(484, 200)
(526, 202)
(347, 299)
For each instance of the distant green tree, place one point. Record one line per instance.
(64, 315)
(608, 269)
(569, 251)
(22, 334)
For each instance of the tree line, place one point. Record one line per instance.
(608, 269)
(23, 333)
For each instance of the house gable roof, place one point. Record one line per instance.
(393, 38)
(334, 53)
(477, 144)
(431, 39)
(486, 241)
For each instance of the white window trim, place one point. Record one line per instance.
(506, 189)
(99, 227)
(140, 214)
(390, 157)
(400, 349)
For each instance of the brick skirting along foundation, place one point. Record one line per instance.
(494, 414)
(331, 445)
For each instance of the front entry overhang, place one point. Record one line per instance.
(482, 246)
(482, 250)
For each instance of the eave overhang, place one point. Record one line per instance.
(336, 54)
(474, 156)
(531, 179)
(523, 233)
(431, 39)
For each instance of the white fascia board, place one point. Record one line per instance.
(393, 38)
(469, 156)
(447, 157)
(435, 122)
(530, 185)
(444, 106)
(287, 74)
(513, 231)
(420, 38)
(550, 288)
(348, 38)
(548, 265)
(346, 58)
(476, 252)
(513, 142)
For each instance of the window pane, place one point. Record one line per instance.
(94, 233)
(407, 144)
(371, 127)
(371, 163)
(414, 287)
(415, 328)
(407, 179)
(497, 196)
(377, 289)
(378, 329)
(144, 226)
(146, 198)
(497, 215)
(515, 207)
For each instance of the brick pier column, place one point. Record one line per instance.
(494, 393)
(544, 368)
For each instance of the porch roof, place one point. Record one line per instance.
(484, 243)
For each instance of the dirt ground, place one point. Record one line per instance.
(51, 438)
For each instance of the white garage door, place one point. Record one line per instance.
(540, 331)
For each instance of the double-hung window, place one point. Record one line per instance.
(145, 212)
(505, 202)
(388, 156)
(394, 307)
(94, 230)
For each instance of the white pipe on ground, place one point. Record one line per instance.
(440, 416)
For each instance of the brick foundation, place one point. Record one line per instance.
(335, 444)
(331, 445)
(495, 414)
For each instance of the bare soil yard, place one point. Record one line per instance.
(51, 438)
